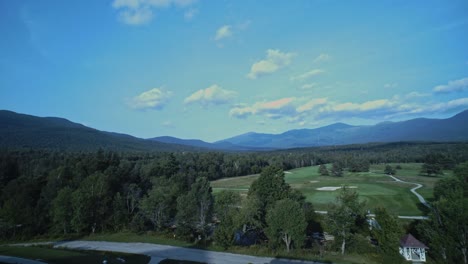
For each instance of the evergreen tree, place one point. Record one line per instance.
(388, 233)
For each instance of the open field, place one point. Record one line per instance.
(59, 256)
(376, 188)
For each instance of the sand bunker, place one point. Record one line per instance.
(288, 172)
(313, 181)
(333, 188)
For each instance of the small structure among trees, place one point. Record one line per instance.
(412, 249)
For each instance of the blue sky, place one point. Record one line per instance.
(214, 69)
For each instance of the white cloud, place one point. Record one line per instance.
(223, 32)
(139, 12)
(307, 75)
(272, 109)
(450, 106)
(301, 111)
(155, 98)
(453, 86)
(314, 103)
(322, 58)
(274, 61)
(211, 95)
(363, 107)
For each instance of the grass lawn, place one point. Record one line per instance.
(376, 188)
(59, 256)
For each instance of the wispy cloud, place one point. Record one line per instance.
(390, 85)
(308, 86)
(223, 32)
(459, 85)
(168, 124)
(227, 32)
(307, 75)
(271, 109)
(274, 61)
(311, 104)
(190, 14)
(155, 98)
(322, 58)
(451, 106)
(139, 12)
(412, 95)
(212, 95)
(309, 110)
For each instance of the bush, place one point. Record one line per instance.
(137, 224)
(361, 245)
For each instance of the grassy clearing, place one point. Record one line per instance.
(376, 188)
(63, 256)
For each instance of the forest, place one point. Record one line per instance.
(51, 193)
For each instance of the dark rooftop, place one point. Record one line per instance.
(410, 241)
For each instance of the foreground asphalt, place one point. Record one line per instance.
(161, 252)
(15, 260)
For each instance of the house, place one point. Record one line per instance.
(412, 249)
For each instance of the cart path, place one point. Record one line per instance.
(413, 190)
(161, 252)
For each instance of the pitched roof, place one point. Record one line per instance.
(410, 241)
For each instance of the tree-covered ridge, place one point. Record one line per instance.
(20, 131)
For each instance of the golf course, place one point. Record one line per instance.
(374, 187)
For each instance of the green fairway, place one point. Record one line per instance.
(376, 188)
(63, 256)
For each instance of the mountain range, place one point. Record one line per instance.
(420, 129)
(27, 131)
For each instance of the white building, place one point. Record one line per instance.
(412, 249)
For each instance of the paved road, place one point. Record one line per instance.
(160, 252)
(414, 217)
(413, 190)
(8, 259)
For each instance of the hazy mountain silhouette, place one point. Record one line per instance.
(27, 131)
(419, 129)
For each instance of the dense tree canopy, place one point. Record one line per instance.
(48, 192)
(446, 232)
